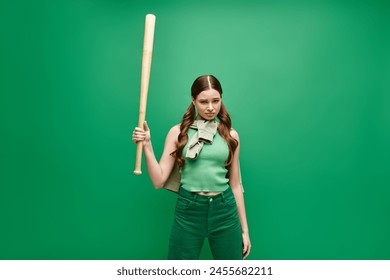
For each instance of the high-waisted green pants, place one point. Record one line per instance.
(198, 217)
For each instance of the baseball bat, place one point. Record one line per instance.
(145, 77)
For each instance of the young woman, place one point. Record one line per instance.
(210, 200)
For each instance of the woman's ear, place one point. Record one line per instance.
(193, 101)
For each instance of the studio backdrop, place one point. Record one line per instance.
(307, 87)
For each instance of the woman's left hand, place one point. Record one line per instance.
(246, 245)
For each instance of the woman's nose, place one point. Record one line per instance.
(210, 107)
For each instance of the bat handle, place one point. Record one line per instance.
(138, 156)
(138, 159)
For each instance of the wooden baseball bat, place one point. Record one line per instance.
(145, 76)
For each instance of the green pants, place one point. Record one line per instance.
(198, 217)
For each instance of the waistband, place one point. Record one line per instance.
(206, 198)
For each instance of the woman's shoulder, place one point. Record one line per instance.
(173, 133)
(175, 130)
(234, 134)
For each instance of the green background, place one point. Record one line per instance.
(307, 85)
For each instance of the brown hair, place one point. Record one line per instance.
(200, 84)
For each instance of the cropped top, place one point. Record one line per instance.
(206, 173)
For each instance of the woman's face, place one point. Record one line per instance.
(208, 103)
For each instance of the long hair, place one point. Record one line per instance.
(200, 84)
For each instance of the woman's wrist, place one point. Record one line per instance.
(147, 144)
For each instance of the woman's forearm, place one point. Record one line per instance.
(158, 170)
(239, 196)
(152, 165)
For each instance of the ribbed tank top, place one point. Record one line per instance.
(206, 173)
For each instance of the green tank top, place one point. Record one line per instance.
(206, 173)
